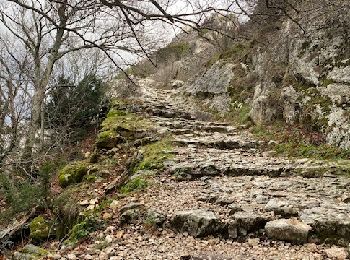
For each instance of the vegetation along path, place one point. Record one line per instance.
(203, 189)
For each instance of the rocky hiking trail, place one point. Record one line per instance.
(220, 195)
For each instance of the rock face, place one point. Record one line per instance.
(198, 223)
(290, 230)
(213, 86)
(305, 78)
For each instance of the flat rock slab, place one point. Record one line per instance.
(198, 223)
(290, 230)
(330, 223)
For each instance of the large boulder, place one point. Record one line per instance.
(198, 222)
(290, 230)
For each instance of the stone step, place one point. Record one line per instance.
(182, 170)
(228, 143)
(243, 224)
(194, 126)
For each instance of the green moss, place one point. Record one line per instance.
(316, 100)
(83, 229)
(135, 184)
(240, 113)
(117, 119)
(154, 219)
(39, 229)
(236, 50)
(214, 58)
(118, 103)
(72, 173)
(33, 252)
(262, 132)
(107, 139)
(120, 126)
(294, 141)
(67, 209)
(321, 152)
(120, 119)
(154, 155)
(325, 82)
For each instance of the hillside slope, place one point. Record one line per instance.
(228, 149)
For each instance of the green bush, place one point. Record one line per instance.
(20, 196)
(73, 108)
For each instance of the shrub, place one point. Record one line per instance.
(73, 108)
(20, 196)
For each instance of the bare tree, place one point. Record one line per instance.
(14, 96)
(44, 32)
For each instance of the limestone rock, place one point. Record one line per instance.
(281, 207)
(30, 252)
(155, 219)
(198, 223)
(176, 83)
(290, 230)
(329, 222)
(340, 74)
(250, 221)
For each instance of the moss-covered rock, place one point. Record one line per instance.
(107, 139)
(82, 229)
(30, 252)
(39, 229)
(154, 219)
(154, 155)
(72, 173)
(119, 127)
